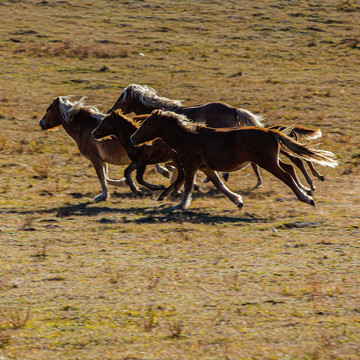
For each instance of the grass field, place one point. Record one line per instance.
(125, 279)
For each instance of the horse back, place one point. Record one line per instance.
(215, 114)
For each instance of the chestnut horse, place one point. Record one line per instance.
(79, 121)
(117, 124)
(143, 100)
(200, 147)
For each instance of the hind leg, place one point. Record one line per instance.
(314, 172)
(298, 162)
(258, 175)
(215, 179)
(121, 182)
(272, 166)
(290, 170)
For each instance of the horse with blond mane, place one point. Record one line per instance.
(79, 120)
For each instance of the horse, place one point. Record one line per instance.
(122, 127)
(204, 148)
(79, 121)
(143, 100)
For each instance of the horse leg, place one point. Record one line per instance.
(273, 167)
(314, 172)
(100, 169)
(258, 175)
(298, 162)
(215, 179)
(162, 171)
(121, 182)
(127, 174)
(140, 179)
(188, 187)
(174, 185)
(291, 170)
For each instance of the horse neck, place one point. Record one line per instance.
(84, 127)
(123, 130)
(140, 109)
(173, 134)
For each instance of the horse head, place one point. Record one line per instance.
(52, 117)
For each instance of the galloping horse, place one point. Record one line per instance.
(79, 121)
(143, 100)
(200, 147)
(122, 127)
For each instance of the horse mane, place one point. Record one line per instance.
(130, 120)
(148, 97)
(78, 106)
(183, 121)
(247, 118)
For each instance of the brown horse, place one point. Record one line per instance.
(122, 128)
(143, 100)
(79, 121)
(200, 147)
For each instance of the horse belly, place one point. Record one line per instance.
(112, 152)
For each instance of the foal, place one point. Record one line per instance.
(199, 147)
(123, 127)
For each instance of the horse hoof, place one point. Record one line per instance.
(322, 178)
(101, 197)
(240, 205)
(312, 202)
(139, 193)
(177, 208)
(225, 176)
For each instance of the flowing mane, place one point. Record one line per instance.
(247, 118)
(130, 120)
(78, 106)
(147, 96)
(183, 121)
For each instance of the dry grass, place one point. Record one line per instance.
(125, 279)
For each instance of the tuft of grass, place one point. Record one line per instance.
(16, 319)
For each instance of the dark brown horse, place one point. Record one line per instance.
(122, 128)
(143, 100)
(79, 121)
(200, 147)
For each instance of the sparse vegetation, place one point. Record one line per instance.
(124, 279)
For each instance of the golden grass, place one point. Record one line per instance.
(124, 279)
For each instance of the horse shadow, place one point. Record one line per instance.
(156, 214)
(144, 215)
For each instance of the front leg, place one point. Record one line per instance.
(100, 168)
(176, 185)
(140, 179)
(127, 174)
(188, 188)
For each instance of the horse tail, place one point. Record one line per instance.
(247, 118)
(298, 132)
(294, 148)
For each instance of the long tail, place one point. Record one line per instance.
(247, 118)
(297, 132)
(294, 148)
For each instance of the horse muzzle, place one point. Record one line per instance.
(42, 125)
